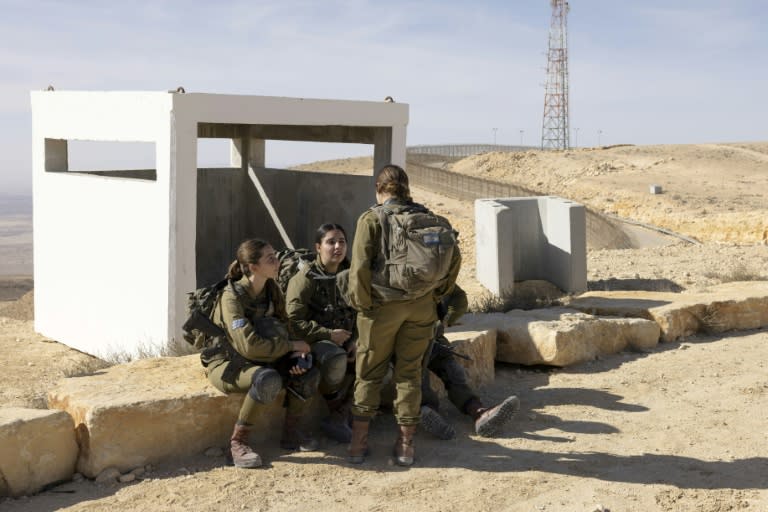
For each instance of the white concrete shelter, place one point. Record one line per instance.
(115, 252)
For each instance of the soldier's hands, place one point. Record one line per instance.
(339, 336)
(298, 370)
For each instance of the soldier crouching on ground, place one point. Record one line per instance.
(319, 315)
(258, 356)
(488, 421)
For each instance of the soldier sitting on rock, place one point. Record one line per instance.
(488, 421)
(319, 315)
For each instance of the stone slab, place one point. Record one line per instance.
(720, 308)
(152, 410)
(37, 448)
(480, 346)
(562, 336)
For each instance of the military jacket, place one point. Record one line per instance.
(314, 304)
(255, 324)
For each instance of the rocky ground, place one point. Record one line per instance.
(680, 428)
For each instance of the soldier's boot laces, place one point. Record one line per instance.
(358, 446)
(337, 425)
(243, 455)
(490, 421)
(434, 423)
(294, 438)
(404, 451)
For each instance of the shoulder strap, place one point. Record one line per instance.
(383, 213)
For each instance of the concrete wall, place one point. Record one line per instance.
(231, 210)
(100, 243)
(519, 239)
(115, 255)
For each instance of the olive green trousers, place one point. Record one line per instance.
(294, 406)
(402, 330)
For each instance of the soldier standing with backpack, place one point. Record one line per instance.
(319, 314)
(404, 259)
(257, 354)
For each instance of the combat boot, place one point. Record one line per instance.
(337, 424)
(434, 423)
(294, 438)
(358, 447)
(489, 421)
(404, 451)
(243, 455)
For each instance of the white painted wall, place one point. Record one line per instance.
(115, 257)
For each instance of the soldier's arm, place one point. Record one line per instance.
(244, 337)
(457, 305)
(298, 296)
(364, 251)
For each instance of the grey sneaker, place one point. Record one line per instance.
(435, 424)
(490, 421)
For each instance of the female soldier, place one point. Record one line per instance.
(392, 321)
(319, 315)
(257, 354)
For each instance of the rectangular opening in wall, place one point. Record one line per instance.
(213, 153)
(320, 156)
(126, 160)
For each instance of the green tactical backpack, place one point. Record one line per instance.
(199, 329)
(417, 247)
(291, 262)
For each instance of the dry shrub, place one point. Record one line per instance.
(738, 273)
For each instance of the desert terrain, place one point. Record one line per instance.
(683, 427)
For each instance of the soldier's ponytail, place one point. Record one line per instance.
(392, 180)
(249, 251)
(235, 273)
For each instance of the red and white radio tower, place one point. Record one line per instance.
(555, 128)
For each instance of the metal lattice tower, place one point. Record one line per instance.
(555, 133)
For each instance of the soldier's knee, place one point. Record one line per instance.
(266, 383)
(334, 369)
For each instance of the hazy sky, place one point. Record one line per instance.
(642, 72)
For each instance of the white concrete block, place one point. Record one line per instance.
(145, 232)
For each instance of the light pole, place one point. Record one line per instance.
(521, 137)
(494, 135)
(599, 133)
(576, 138)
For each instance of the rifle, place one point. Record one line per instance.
(200, 322)
(447, 349)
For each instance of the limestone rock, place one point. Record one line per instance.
(152, 410)
(37, 448)
(562, 336)
(480, 346)
(725, 307)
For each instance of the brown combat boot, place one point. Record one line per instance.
(243, 455)
(294, 438)
(404, 451)
(490, 420)
(358, 447)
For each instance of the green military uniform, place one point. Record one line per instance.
(315, 308)
(386, 328)
(239, 312)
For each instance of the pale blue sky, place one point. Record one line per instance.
(643, 72)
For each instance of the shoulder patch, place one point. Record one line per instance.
(239, 323)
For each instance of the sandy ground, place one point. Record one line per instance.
(680, 428)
